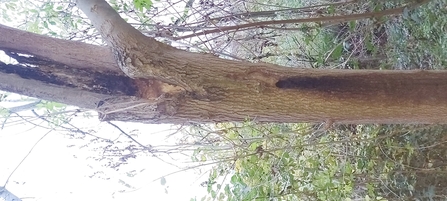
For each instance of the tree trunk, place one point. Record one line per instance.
(174, 86)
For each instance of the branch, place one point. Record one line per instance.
(272, 13)
(129, 46)
(106, 20)
(149, 148)
(340, 18)
(26, 156)
(18, 41)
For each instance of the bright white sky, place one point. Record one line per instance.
(55, 172)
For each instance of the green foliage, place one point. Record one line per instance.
(272, 162)
(4, 112)
(303, 162)
(417, 39)
(55, 112)
(140, 4)
(61, 19)
(51, 106)
(45, 17)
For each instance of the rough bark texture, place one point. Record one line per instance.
(85, 76)
(77, 54)
(175, 86)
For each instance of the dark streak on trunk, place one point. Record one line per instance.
(61, 75)
(396, 87)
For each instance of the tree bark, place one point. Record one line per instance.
(174, 86)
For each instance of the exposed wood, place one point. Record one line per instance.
(175, 86)
(104, 92)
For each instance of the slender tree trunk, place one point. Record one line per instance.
(174, 86)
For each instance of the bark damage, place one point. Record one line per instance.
(422, 87)
(61, 75)
(174, 86)
(213, 89)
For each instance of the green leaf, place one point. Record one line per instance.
(227, 189)
(11, 6)
(34, 27)
(331, 9)
(352, 25)
(213, 194)
(4, 112)
(235, 179)
(140, 4)
(406, 12)
(338, 51)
